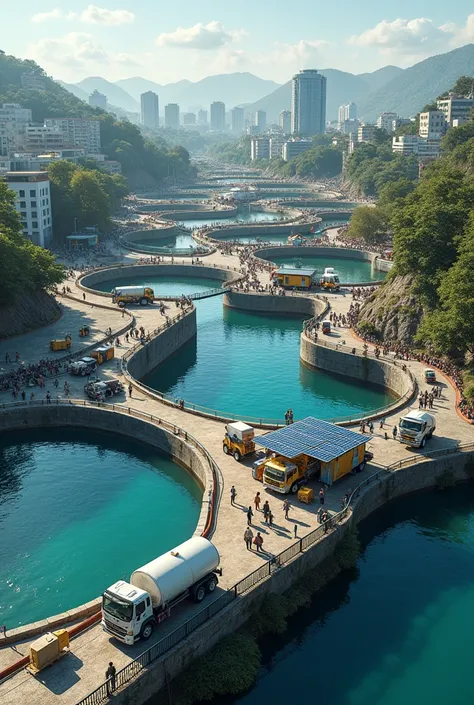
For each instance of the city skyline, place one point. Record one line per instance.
(75, 41)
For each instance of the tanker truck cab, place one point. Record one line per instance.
(131, 610)
(416, 428)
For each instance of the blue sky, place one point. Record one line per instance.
(168, 41)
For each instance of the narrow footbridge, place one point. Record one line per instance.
(200, 295)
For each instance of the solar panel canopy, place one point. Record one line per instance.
(318, 439)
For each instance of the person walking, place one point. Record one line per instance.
(321, 496)
(248, 536)
(48, 397)
(110, 675)
(286, 508)
(324, 520)
(394, 433)
(130, 390)
(257, 501)
(249, 516)
(233, 494)
(258, 541)
(270, 518)
(83, 296)
(266, 510)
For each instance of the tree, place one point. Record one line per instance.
(92, 200)
(368, 224)
(391, 193)
(457, 136)
(450, 328)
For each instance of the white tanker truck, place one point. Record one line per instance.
(131, 610)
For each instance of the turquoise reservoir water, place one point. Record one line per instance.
(252, 217)
(176, 242)
(398, 629)
(351, 271)
(248, 364)
(79, 510)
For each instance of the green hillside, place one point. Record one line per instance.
(122, 141)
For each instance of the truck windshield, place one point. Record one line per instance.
(278, 475)
(409, 425)
(121, 610)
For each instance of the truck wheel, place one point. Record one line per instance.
(225, 449)
(237, 455)
(121, 304)
(430, 434)
(147, 631)
(83, 372)
(200, 594)
(294, 488)
(423, 441)
(211, 585)
(143, 302)
(362, 466)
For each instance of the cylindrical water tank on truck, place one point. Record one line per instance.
(174, 572)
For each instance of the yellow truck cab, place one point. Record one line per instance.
(309, 449)
(238, 440)
(330, 279)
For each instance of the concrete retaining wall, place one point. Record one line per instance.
(204, 213)
(266, 303)
(88, 281)
(259, 230)
(423, 476)
(162, 346)
(163, 233)
(365, 369)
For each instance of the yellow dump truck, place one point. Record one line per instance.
(61, 344)
(123, 295)
(238, 440)
(310, 449)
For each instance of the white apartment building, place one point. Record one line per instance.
(346, 112)
(172, 116)
(189, 118)
(414, 145)
(39, 138)
(237, 120)
(366, 133)
(81, 132)
(261, 120)
(432, 124)
(385, 122)
(202, 117)
(292, 148)
(349, 127)
(150, 110)
(217, 111)
(33, 202)
(260, 148)
(285, 121)
(13, 122)
(276, 146)
(454, 108)
(33, 80)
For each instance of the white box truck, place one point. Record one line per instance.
(416, 428)
(131, 610)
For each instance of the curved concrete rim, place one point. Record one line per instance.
(211, 481)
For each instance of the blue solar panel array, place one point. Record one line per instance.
(318, 439)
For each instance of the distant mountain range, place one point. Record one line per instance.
(404, 91)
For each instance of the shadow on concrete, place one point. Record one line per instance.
(59, 680)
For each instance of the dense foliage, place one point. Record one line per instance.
(119, 138)
(86, 194)
(24, 267)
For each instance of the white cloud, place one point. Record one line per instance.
(91, 15)
(210, 36)
(418, 37)
(76, 51)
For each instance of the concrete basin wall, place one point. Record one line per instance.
(364, 369)
(204, 213)
(163, 233)
(88, 281)
(260, 230)
(267, 303)
(173, 444)
(268, 253)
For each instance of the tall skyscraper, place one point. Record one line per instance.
(285, 121)
(237, 118)
(346, 112)
(150, 113)
(98, 100)
(172, 116)
(308, 104)
(261, 120)
(202, 117)
(218, 116)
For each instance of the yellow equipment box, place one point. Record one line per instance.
(47, 649)
(305, 494)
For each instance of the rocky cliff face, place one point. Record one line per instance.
(394, 311)
(32, 310)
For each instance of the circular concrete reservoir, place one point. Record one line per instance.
(248, 364)
(244, 217)
(80, 509)
(173, 243)
(351, 271)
